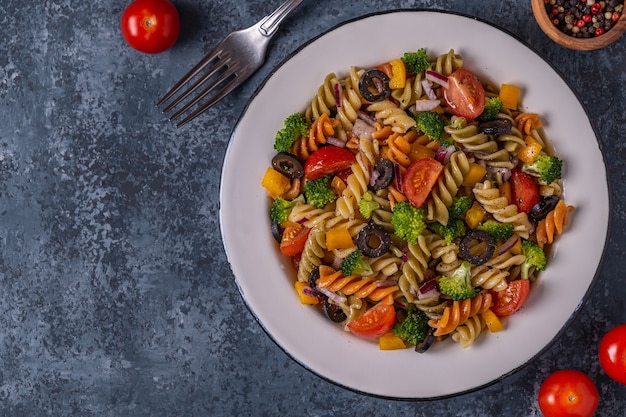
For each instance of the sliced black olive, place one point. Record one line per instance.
(382, 174)
(333, 311)
(374, 80)
(542, 208)
(313, 276)
(277, 232)
(488, 247)
(495, 127)
(426, 343)
(288, 165)
(373, 240)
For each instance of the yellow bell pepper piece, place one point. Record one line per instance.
(389, 341)
(476, 173)
(509, 94)
(505, 191)
(338, 238)
(493, 322)
(419, 151)
(305, 298)
(475, 215)
(398, 74)
(275, 183)
(528, 153)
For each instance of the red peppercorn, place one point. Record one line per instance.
(599, 31)
(580, 23)
(555, 11)
(596, 8)
(615, 16)
(587, 18)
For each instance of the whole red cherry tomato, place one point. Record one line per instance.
(150, 26)
(612, 353)
(568, 393)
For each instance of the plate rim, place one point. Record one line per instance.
(572, 318)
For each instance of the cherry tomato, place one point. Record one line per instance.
(327, 160)
(419, 179)
(612, 353)
(375, 322)
(568, 393)
(150, 26)
(294, 238)
(510, 299)
(524, 191)
(465, 95)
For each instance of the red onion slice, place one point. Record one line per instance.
(362, 128)
(506, 246)
(428, 89)
(429, 289)
(311, 292)
(338, 97)
(426, 105)
(444, 153)
(397, 178)
(437, 78)
(336, 298)
(331, 140)
(385, 283)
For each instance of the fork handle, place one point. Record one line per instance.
(269, 24)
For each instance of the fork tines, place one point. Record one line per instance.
(215, 74)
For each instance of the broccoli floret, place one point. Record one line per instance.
(408, 221)
(414, 328)
(355, 264)
(367, 205)
(455, 228)
(281, 208)
(547, 168)
(295, 126)
(493, 105)
(536, 258)
(416, 62)
(500, 232)
(318, 191)
(459, 206)
(458, 285)
(431, 124)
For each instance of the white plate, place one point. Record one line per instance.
(265, 280)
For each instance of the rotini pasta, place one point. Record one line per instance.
(552, 225)
(419, 221)
(467, 333)
(459, 312)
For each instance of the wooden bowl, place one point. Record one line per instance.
(568, 41)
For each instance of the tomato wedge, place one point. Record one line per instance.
(375, 322)
(327, 160)
(524, 191)
(465, 94)
(419, 179)
(293, 240)
(510, 299)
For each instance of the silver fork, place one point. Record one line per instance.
(225, 67)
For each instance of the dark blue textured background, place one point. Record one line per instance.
(116, 298)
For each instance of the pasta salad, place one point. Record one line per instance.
(416, 201)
